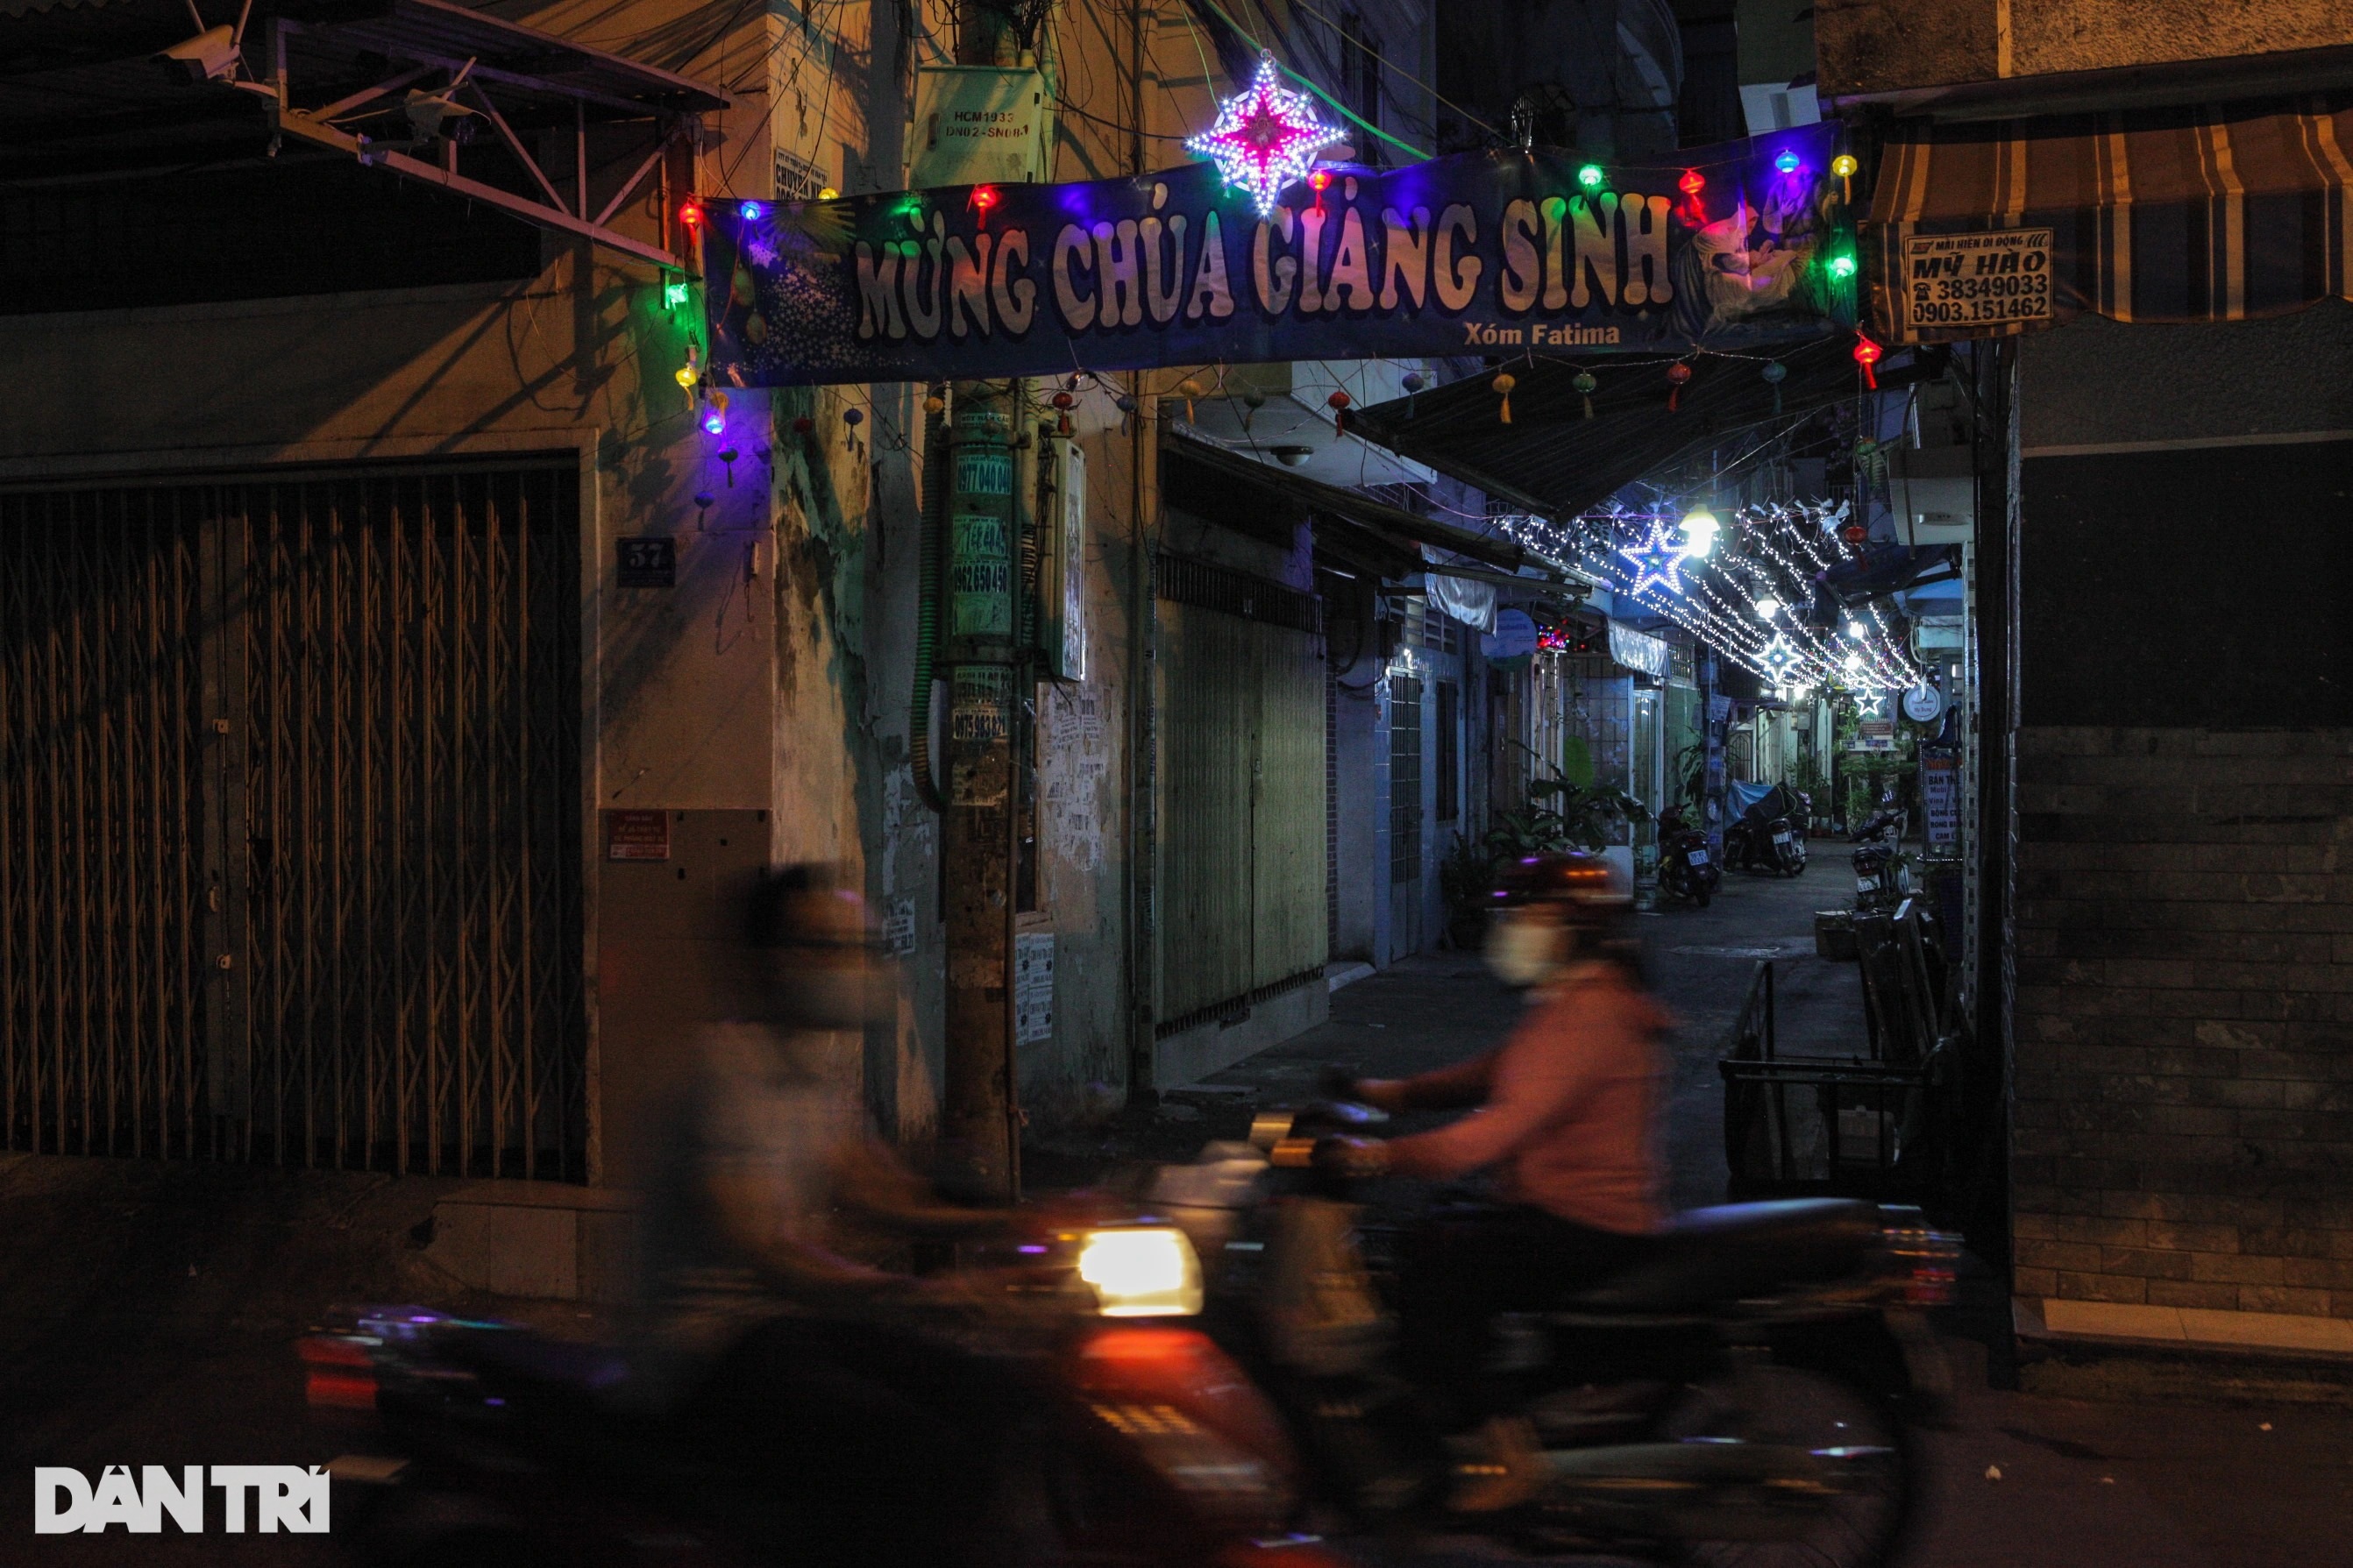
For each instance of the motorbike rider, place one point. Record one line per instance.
(768, 1331)
(1566, 1120)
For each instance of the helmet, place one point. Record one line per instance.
(1587, 884)
(1589, 902)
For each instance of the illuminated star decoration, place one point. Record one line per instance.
(1266, 137)
(1778, 659)
(1656, 560)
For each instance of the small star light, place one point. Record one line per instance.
(1656, 560)
(1778, 659)
(1266, 137)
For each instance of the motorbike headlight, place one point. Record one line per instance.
(1142, 1272)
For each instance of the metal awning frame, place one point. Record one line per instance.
(675, 134)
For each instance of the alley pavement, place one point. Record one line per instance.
(147, 1311)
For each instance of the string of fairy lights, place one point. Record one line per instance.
(1746, 597)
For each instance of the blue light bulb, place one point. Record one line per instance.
(714, 422)
(751, 211)
(1787, 163)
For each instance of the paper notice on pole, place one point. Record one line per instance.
(1033, 988)
(1940, 791)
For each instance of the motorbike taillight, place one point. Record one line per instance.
(1924, 1263)
(339, 1373)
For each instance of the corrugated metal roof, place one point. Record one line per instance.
(1553, 459)
(1395, 531)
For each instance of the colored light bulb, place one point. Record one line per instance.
(684, 375)
(1693, 183)
(1842, 265)
(1844, 165)
(1590, 176)
(751, 211)
(690, 213)
(984, 196)
(714, 422)
(1788, 163)
(674, 293)
(827, 194)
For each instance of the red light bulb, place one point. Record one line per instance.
(690, 213)
(1693, 183)
(1320, 179)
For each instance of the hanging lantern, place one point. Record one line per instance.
(1867, 354)
(935, 404)
(1252, 401)
(1692, 183)
(1338, 402)
(1063, 400)
(1265, 138)
(1678, 376)
(1844, 166)
(1775, 373)
(1503, 383)
(1188, 389)
(853, 418)
(1585, 383)
(983, 199)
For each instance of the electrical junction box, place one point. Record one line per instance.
(978, 125)
(1063, 559)
(1933, 490)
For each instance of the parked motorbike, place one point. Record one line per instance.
(1767, 838)
(1136, 1442)
(1686, 871)
(1766, 1365)
(1882, 879)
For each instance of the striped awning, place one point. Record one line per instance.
(2211, 213)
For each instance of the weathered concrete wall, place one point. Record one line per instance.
(1890, 45)
(2183, 1070)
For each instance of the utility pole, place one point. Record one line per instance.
(981, 1110)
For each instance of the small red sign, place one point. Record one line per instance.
(636, 835)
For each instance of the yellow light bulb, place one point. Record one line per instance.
(1844, 165)
(685, 375)
(827, 194)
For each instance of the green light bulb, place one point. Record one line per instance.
(1842, 266)
(674, 293)
(1590, 176)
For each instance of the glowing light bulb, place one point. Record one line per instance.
(690, 213)
(1693, 183)
(1842, 265)
(714, 422)
(1769, 607)
(1788, 163)
(1590, 176)
(827, 194)
(1854, 629)
(674, 293)
(684, 375)
(751, 211)
(1844, 165)
(985, 197)
(1699, 530)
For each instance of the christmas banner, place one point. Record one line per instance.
(1728, 248)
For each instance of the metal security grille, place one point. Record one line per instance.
(1405, 778)
(1242, 872)
(306, 751)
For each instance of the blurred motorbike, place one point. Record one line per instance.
(1686, 871)
(1765, 1365)
(1136, 1441)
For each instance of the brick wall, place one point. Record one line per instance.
(2183, 1087)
